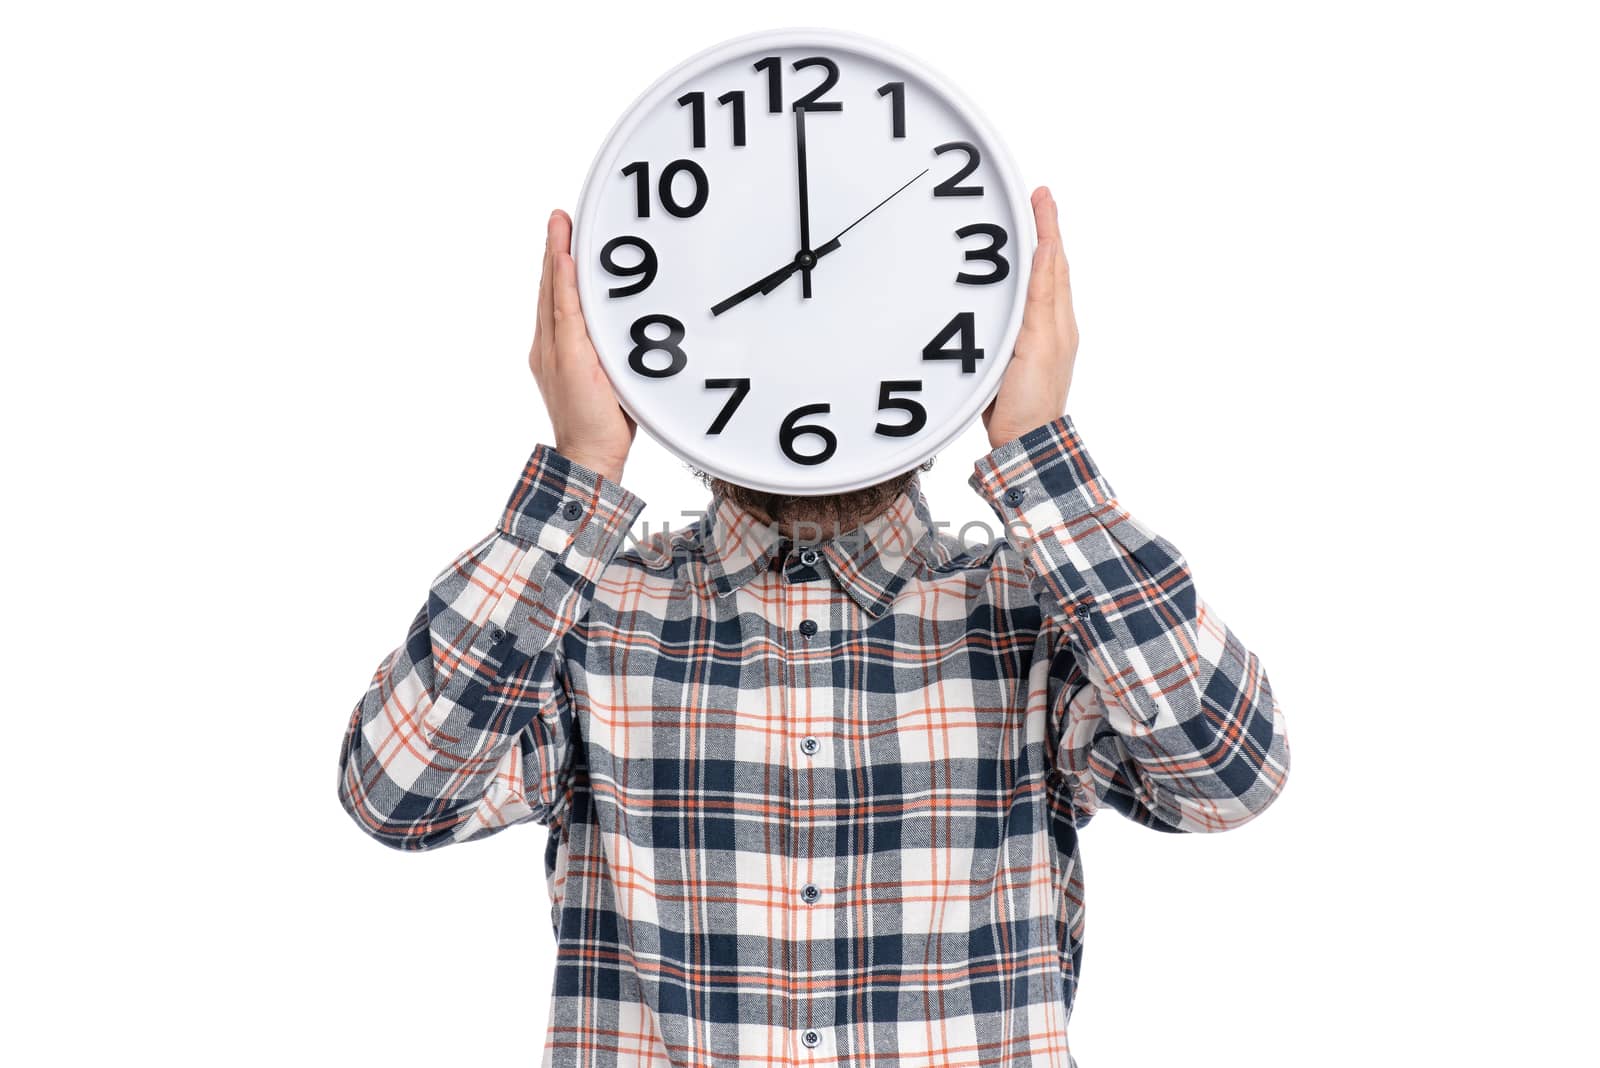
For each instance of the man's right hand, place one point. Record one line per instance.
(590, 426)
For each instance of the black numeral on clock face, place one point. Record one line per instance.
(666, 189)
(997, 241)
(696, 103)
(896, 92)
(645, 269)
(741, 389)
(917, 415)
(643, 343)
(772, 66)
(967, 351)
(813, 101)
(735, 99)
(951, 186)
(792, 428)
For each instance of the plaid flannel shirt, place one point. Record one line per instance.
(814, 805)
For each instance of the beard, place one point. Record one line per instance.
(814, 518)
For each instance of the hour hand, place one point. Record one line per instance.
(801, 262)
(767, 283)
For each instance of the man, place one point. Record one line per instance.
(813, 800)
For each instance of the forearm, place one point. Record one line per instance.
(463, 730)
(1164, 714)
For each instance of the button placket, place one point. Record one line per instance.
(812, 610)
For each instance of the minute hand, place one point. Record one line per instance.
(775, 279)
(833, 242)
(805, 196)
(767, 283)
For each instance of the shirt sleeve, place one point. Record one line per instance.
(466, 728)
(1156, 708)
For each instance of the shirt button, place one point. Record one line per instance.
(810, 893)
(572, 510)
(497, 635)
(1084, 609)
(1014, 497)
(808, 627)
(810, 1037)
(809, 557)
(809, 745)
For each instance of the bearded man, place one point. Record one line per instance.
(813, 771)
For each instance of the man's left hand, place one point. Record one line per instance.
(1034, 390)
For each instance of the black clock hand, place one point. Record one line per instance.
(767, 283)
(835, 239)
(805, 196)
(803, 260)
(760, 285)
(776, 278)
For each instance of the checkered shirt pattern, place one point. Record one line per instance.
(814, 805)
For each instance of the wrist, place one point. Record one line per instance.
(1011, 431)
(606, 466)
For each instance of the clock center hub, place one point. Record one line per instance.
(805, 259)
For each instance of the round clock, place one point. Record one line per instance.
(802, 257)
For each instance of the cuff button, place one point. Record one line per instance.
(571, 510)
(1014, 497)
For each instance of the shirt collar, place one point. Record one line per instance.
(871, 562)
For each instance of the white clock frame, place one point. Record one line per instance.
(633, 394)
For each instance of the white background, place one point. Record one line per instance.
(266, 293)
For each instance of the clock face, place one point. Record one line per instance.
(802, 259)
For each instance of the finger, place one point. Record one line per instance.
(572, 339)
(1039, 310)
(544, 333)
(1066, 318)
(1044, 215)
(560, 231)
(1047, 218)
(567, 311)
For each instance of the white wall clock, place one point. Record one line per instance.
(802, 256)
